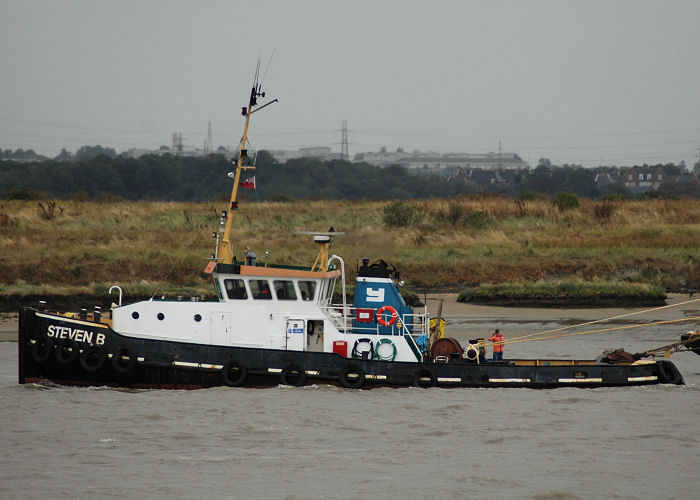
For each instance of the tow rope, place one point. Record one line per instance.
(538, 335)
(518, 340)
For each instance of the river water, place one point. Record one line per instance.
(320, 442)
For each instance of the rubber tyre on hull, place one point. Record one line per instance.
(41, 350)
(121, 366)
(66, 351)
(234, 374)
(92, 359)
(293, 375)
(352, 382)
(423, 374)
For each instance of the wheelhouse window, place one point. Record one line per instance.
(285, 290)
(307, 289)
(260, 289)
(330, 286)
(235, 289)
(218, 290)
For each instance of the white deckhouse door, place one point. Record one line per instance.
(296, 334)
(221, 328)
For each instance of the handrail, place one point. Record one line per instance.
(120, 292)
(342, 315)
(342, 277)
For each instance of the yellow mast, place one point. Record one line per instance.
(225, 250)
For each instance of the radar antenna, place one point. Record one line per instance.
(324, 240)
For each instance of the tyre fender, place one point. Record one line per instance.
(66, 351)
(419, 380)
(349, 381)
(234, 374)
(92, 359)
(41, 349)
(122, 365)
(293, 375)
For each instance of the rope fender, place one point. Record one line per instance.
(381, 357)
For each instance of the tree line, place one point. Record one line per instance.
(182, 178)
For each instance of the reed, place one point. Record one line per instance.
(570, 293)
(166, 245)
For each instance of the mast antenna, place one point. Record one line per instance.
(268, 65)
(224, 252)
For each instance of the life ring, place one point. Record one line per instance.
(361, 354)
(419, 380)
(381, 357)
(119, 364)
(352, 377)
(41, 349)
(234, 374)
(66, 351)
(293, 375)
(389, 309)
(669, 374)
(92, 359)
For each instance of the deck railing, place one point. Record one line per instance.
(415, 324)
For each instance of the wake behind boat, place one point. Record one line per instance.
(276, 324)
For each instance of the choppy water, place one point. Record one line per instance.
(320, 442)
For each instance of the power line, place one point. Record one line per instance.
(545, 136)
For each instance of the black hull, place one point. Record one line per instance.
(121, 361)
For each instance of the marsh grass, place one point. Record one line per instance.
(569, 293)
(161, 245)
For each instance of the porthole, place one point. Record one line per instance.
(135, 315)
(161, 316)
(198, 317)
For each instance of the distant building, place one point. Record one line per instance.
(317, 152)
(137, 152)
(482, 177)
(684, 177)
(321, 152)
(605, 179)
(444, 161)
(64, 155)
(642, 179)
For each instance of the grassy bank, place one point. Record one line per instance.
(148, 248)
(573, 293)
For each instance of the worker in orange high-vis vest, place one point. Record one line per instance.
(497, 340)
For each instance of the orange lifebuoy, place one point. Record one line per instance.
(389, 309)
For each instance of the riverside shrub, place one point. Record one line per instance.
(402, 214)
(565, 201)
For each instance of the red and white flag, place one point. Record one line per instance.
(249, 183)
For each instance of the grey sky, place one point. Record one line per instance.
(616, 82)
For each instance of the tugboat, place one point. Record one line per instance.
(277, 324)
